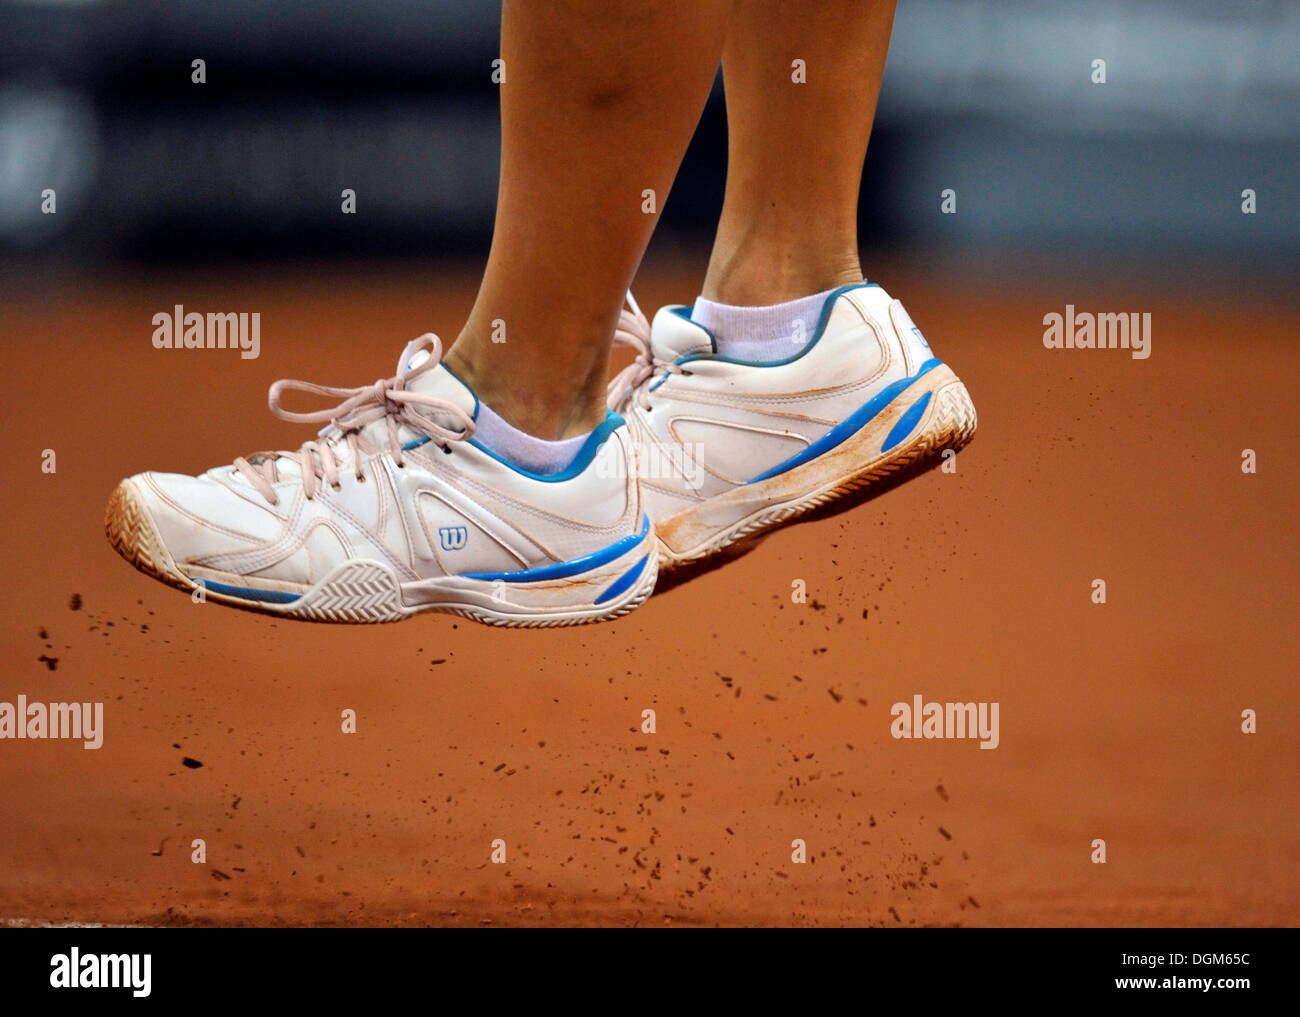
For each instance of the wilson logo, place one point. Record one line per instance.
(452, 538)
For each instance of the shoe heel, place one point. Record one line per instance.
(940, 418)
(909, 436)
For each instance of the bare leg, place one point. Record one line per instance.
(789, 220)
(598, 105)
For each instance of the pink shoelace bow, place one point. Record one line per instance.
(634, 330)
(388, 399)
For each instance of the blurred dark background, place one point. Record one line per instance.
(395, 100)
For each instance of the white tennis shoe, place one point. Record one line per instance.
(730, 448)
(396, 509)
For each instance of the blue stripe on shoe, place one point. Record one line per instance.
(249, 592)
(848, 427)
(624, 581)
(906, 423)
(572, 567)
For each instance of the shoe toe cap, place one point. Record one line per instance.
(192, 518)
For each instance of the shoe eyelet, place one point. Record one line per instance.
(361, 478)
(446, 449)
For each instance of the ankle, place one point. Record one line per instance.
(754, 275)
(547, 411)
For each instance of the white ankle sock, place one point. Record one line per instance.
(773, 332)
(512, 444)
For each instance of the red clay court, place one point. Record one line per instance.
(1119, 722)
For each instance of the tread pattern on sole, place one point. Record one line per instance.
(132, 535)
(950, 426)
(360, 592)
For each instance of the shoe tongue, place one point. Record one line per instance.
(442, 383)
(674, 335)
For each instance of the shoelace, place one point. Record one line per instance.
(634, 330)
(387, 399)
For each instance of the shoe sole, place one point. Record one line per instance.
(873, 458)
(362, 591)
